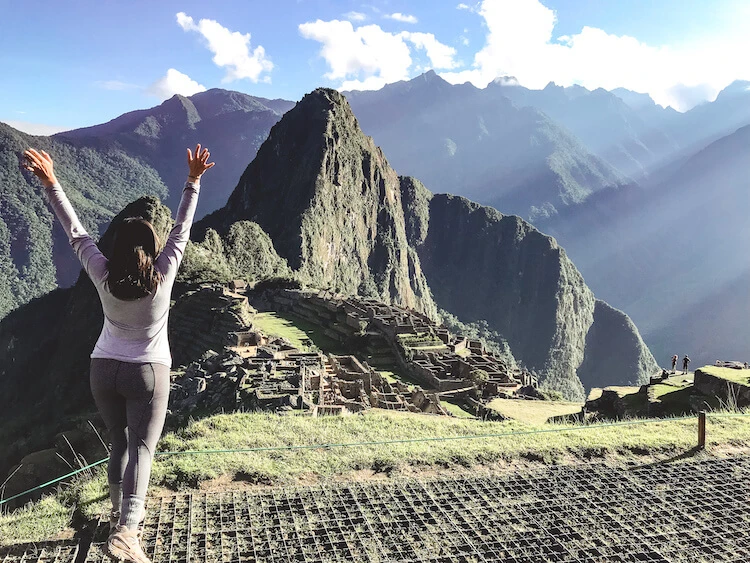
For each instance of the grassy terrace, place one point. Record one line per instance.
(741, 376)
(297, 330)
(640, 443)
(533, 412)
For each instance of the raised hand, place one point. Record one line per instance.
(198, 164)
(40, 163)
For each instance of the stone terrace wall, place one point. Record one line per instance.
(728, 391)
(204, 319)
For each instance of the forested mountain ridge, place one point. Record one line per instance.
(100, 179)
(104, 167)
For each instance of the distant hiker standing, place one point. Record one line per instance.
(674, 362)
(685, 362)
(130, 363)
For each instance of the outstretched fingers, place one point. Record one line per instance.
(33, 156)
(198, 161)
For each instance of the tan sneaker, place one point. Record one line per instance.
(124, 545)
(114, 520)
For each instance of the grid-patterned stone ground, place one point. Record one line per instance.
(681, 512)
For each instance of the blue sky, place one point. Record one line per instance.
(77, 63)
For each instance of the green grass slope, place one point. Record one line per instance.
(376, 455)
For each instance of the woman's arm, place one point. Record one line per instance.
(170, 257)
(92, 260)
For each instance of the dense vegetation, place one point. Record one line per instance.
(246, 252)
(34, 253)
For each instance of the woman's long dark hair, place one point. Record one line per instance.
(131, 266)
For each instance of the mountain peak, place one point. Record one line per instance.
(330, 202)
(430, 77)
(736, 88)
(635, 100)
(505, 81)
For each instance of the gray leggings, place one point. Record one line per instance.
(132, 399)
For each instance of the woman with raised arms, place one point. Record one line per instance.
(131, 360)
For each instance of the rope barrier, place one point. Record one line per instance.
(53, 481)
(360, 444)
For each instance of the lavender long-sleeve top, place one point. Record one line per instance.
(134, 330)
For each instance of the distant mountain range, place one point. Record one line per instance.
(675, 256)
(606, 173)
(477, 143)
(233, 125)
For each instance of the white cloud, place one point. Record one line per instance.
(175, 82)
(231, 50)
(35, 128)
(116, 85)
(404, 18)
(519, 43)
(355, 16)
(441, 56)
(463, 6)
(368, 57)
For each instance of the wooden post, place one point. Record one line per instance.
(702, 430)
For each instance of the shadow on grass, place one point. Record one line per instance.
(28, 551)
(691, 453)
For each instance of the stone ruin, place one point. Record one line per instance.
(441, 362)
(253, 371)
(348, 385)
(206, 319)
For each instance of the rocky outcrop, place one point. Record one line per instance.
(615, 352)
(330, 202)
(732, 391)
